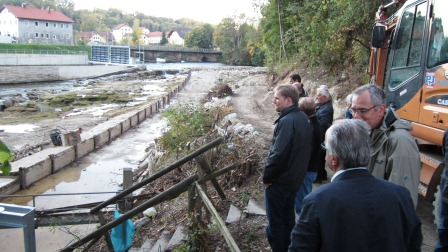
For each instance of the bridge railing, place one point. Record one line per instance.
(173, 48)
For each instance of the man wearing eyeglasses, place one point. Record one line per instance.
(394, 154)
(356, 211)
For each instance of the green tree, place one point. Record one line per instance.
(164, 40)
(137, 33)
(239, 41)
(200, 37)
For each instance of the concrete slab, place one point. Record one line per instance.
(177, 239)
(37, 157)
(162, 242)
(234, 215)
(255, 208)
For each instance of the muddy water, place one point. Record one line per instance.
(100, 171)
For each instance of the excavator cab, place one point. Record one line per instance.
(409, 60)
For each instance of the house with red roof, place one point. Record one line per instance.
(36, 26)
(154, 37)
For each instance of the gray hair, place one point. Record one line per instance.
(348, 139)
(349, 97)
(376, 93)
(323, 90)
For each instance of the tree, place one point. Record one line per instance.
(239, 41)
(137, 32)
(201, 37)
(164, 40)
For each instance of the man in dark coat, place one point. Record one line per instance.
(286, 166)
(356, 211)
(324, 115)
(308, 106)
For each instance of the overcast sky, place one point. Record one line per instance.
(210, 11)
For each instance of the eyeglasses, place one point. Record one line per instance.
(361, 110)
(322, 145)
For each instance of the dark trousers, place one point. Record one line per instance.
(281, 217)
(321, 172)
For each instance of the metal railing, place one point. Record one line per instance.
(52, 52)
(50, 195)
(173, 48)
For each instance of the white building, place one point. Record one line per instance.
(39, 26)
(122, 31)
(177, 36)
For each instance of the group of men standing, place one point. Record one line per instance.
(370, 203)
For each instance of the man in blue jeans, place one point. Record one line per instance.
(442, 225)
(286, 166)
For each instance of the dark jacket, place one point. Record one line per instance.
(316, 150)
(324, 113)
(357, 212)
(289, 155)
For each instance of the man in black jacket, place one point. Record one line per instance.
(356, 211)
(286, 166)
(324, 115)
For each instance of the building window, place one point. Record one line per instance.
(62, 25)
(66, 26)
(48, 36)
(27, 23)
(36, 23)
(54, 36)
(47, 24)
(41, 35)
(54, 25)
(37, 35)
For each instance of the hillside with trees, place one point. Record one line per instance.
(329, 34)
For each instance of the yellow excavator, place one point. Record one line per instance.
(409, 60)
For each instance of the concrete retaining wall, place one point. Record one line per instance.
(39, 165)
(25, 74)
(8, 59)
(85, 147)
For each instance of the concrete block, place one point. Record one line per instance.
(255, 208)
(234, 215)
(148, 112)
(125, 125)
(9, 185)
(141, 115)
(177, 239)
(85, 147)
(115, 131)
(134, 120)
(162, 242)
(63, 158)
(31, 174)
(101, 139)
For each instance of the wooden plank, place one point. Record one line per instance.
(221, 225)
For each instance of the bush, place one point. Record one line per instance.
(185, 123)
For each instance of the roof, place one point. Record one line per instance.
(181, 31)
(118, 27)
(88, 35)
(37, 14)
(155, 34)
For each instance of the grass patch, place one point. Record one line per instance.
(186, 123)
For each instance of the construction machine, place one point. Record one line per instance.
(409, 60)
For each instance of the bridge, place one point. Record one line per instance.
(150, 53)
